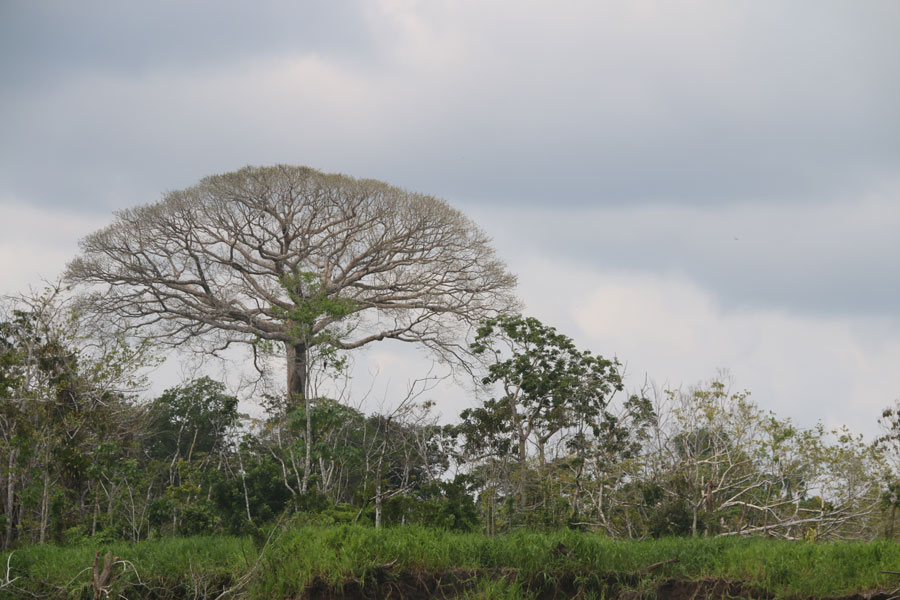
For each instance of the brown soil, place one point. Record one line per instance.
(385, 583)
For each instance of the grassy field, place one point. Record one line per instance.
(355, 561)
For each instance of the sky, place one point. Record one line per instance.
(686, 186)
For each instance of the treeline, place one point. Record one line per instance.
(559, 444)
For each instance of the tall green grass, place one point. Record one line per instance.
(785, 569)
(298, 556)
(188, 565)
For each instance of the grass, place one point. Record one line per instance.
(192, 564)
(333, 556)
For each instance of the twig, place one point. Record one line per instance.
(6, 580)
(128, 563)
(77, 575)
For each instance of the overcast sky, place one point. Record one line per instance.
(687, 186)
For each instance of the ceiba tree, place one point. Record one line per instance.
(296, 257)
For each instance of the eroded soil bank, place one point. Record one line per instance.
(467, 583)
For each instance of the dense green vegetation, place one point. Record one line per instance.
(558, 445)
(356, 559)
(303, 267)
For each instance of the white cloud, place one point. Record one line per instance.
(36, 244)
(809, 368)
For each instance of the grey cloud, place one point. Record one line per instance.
(56, 39)
(837, 258)
(710, 106)
(598, 105)
(631, 137)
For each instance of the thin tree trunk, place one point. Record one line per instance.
(378, 472)
(576, 497)
(95, 514)
(110, 505)
(45, 506)
(244, 484)
(135, 531)
(523, 451)
(492, 517)
(9, 535)
(307, 458)
(297, 475)
(542, 462)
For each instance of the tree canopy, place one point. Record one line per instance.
(296, 257)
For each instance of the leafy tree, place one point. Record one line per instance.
(889, 444)
(547, 385)
(63, 388)
(191, 420)
(190, 431)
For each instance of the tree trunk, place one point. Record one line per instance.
(244, 485)
(542, 462)
(523, 461)
(10, 533)
(378, 494)
(45, 506)
(96, 514)
(890, 534)
(298, 387)
(297, 372)
(307, 458)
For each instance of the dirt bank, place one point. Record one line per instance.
(382, 583)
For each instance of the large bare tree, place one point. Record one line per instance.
(303, 259)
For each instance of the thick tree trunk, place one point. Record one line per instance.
(297, 388)
(297, 372)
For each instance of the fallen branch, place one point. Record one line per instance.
(245, 578)
(6, 580)
(659, 564)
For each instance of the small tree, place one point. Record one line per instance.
(717, 464)
(547, 385)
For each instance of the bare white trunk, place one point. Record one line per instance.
(45, 507)
(378, 494)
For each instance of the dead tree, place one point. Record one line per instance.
(102, 578)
